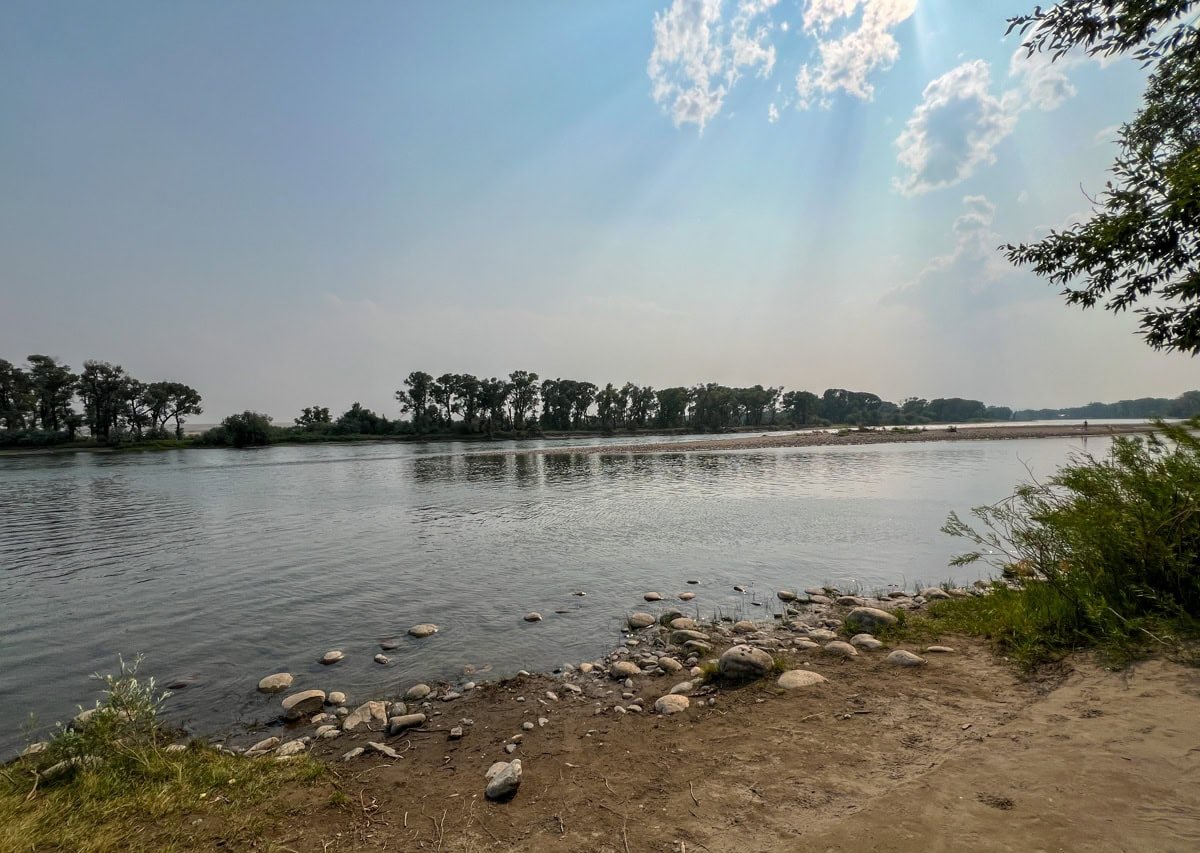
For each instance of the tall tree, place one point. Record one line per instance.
(493, 396)
(801, 405)
(104, 389)
(416, 398)
(15, 396)
(53, 387)
(1142, 243)
(524, 396)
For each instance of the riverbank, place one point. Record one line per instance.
(822, 745)
(877, 435)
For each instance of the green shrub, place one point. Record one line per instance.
(1106, 552)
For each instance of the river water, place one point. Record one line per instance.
(222, 566)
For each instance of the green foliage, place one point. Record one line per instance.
(249, 429)
(1107, 552)
(1142, 243)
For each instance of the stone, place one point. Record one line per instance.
(175, 747)
(389, 644)
(383, 749)
(822, 635)
(683, 623)
(669, 664)
(681, 688)
(276, 683)
(745, 626)
(451, 696)
(682, 636)
(456, 733)
(900, 657)
(337, 697)
(332, 657)
(640, 620)
(686, 596)
(744, 662)
(786, 595)
(672, 703)
(542, 721)
(868, 618)
(42, 745)
(798, 679)
(571, 688)
(624, 669)
(934, 593)
(341, 711)
(327, 732)
(865, 641)
(586, 668)
(383, 659)
(303, 703)
(806, 644)
(940, 650)
(353, 754)
(370, 716)
(533, 616)
(292, 747)
(527, 725)
(652, 596)
(395, 725)
(503, 781)
(264, 745)
(320, 719)
(851, 601)
(844, 650)
(820, 599)
(425, 629)
(698, 647)
(417, 692)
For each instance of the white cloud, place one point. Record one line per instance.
(698, 56)
(1107, 134)
(1044, 82)
(848, 59)
(954, 129)
(772, 113)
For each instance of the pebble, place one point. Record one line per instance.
(851, 601)
(652, 596)
(786, 595)
(353, 754)
(865, 641)
(276, 683)
(303, 703)
(685, 634)
(806, 644)
(822, 635)
(425, 629)
(327, 732)
(370, 716)
(901, 657)
(542, 721)
(683, 623)
(681, 688)
(504, 778)
(456, 733)
(571, 688)
(640, 620)
(686, 596)
(745, 626)
(510, 748)
(319, 719)
(940, 650)
(527, 725)
(332, 657)
(264, 745)
(551, 695)
(669, 664)
(624, 669)
(586, 668)
(384, 659)
(741, 662)
(672, 703)
(934, 592)
(417, 692)
(533, 617)
(798, 679)
(292, 747)
(407, 721)
(451, 696)
(337, 697)
(845, 650)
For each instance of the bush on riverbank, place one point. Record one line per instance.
(109, 782)
(1106, 553)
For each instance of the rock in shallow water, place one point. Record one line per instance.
(303, 703)
(417, 692)
(425, 629)
(744, 662)
(276, 683)
(640, 620)
(504, 778)
(533, 617)
(332, 656)
(337, 697)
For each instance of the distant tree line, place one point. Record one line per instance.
(1186, 405)
(38, 404)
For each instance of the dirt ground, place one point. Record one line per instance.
(961, 754)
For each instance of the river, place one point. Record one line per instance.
(222, 566)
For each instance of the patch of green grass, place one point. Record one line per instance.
(111, 784)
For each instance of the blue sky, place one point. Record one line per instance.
(288, 203)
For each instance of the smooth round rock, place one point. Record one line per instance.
(405, 721)
(865, 641)
(533, 617)
(744, 662)
(425, 629)
(652, 596)
(686, 634)
(935, 593)
(798, 679)
(303, 703)
(276, 683)
(869, 618)
(503, 780)
(332, 657)
(686, 596)
(672, 703)
(745, 626)
(623, 669)
(822, 635)
(417, 692)
(845, 650)
(786, 595)
(337, 697)
(900, 657)
(683, 623)
(640, 620)
(382, 659)
(667, 664)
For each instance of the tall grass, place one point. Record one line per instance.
(110, 783)
(1105, 553)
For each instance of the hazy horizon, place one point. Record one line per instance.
(289, 204)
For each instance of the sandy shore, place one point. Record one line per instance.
(880, 435)
(961, 753)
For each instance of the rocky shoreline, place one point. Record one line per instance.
(668, 664)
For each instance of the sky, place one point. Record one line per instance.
(287, 203)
